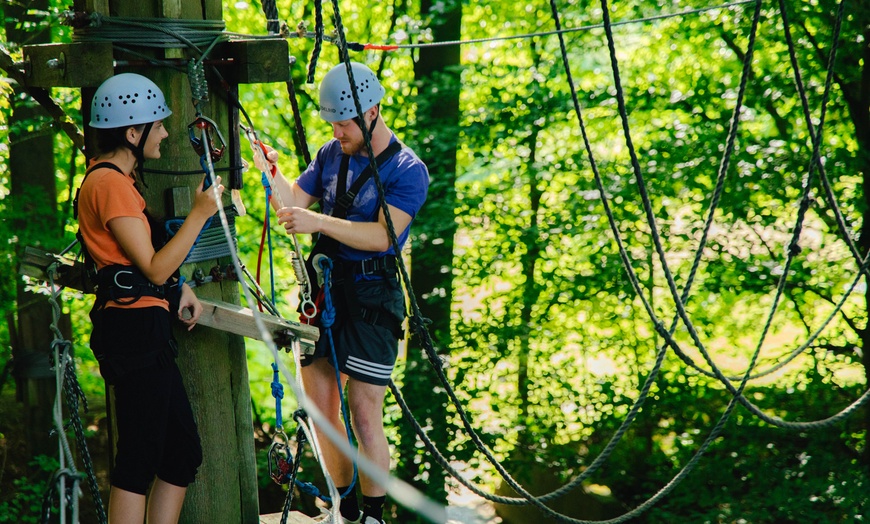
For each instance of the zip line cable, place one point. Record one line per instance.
(355, 46)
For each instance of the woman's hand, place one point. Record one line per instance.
(191, 305)
(206, 201)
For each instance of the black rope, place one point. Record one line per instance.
(299, 416)
(318, 39)
(301, 141)
(271, 11)
(794, 251)
(74, 392)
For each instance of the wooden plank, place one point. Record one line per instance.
(70, 274)
(68, 65)
(240, 320)
(294, 517)
(92, 6)
(257, 61)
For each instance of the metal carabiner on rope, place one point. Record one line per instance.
(280, 458)
(206, 144)
(309, 308)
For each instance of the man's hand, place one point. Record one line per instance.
(190, 304)
(265, 161)
(298, 220)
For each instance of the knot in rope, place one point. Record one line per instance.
(327, 316)
(278, 394)
(267, 186)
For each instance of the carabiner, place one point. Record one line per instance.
(208, 127)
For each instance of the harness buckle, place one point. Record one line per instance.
(318, 268)
(118, 283)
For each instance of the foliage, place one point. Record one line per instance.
(25, 505)
(550, 341)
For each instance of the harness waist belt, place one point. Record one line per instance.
(371, 266)
(126, 284)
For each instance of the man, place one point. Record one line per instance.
(368, 299)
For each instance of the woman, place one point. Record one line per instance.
(132, 338)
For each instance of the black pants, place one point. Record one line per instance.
(157, 434)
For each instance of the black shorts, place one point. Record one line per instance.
(157, 434)
(367, 345)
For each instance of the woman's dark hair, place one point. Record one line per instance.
(108, 140)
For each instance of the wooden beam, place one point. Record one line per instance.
(240, 321)
(70, 273)
(294, 517)
(257, 61)
(68, 65)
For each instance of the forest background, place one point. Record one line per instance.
(546, 337)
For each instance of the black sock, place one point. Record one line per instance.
(373, 507)
(349, 503)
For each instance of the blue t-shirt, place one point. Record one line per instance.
(404, 177)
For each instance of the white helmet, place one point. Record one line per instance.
(336, 98)
(125, 100)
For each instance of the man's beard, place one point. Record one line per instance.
(352, 147)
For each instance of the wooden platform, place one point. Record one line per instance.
(293, 518)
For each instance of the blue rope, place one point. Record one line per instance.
(327, 319)
(311, 489)
(278, 393)
(172, 225)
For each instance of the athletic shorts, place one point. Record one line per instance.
(365, 350)
(157, 434)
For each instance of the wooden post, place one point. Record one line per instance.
(212, 362)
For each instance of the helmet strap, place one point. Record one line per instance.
(359, 121)
(139, 152)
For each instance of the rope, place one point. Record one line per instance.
(308, 307)
(67, 382)
(793, 250)
(301, 141)
(327, 319)
(271, 12)
(318, 39)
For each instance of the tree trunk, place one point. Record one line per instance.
(213, 363)
(33, 200)
(438, 83)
